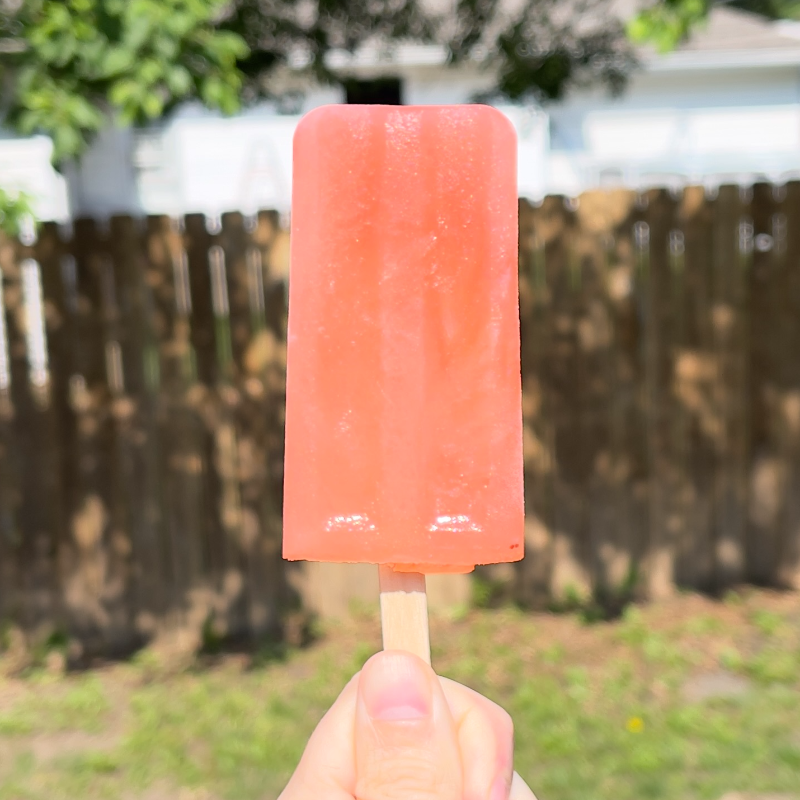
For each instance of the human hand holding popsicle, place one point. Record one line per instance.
(397, 731)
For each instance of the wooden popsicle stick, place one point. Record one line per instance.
(404, 612)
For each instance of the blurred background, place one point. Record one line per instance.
(152, 642)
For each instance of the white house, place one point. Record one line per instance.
(725, 106)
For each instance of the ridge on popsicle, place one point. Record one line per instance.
(403, 408)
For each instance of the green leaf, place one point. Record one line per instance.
(27, 122)
(212, 91)
(180, 24)
(90, 59)
(150, 71)
(67, 142)
(15, 207)
(152, 105)
(116, 61)
(136, 32)
(128, 115)
(228, 46)
(85, 115)
(179, 81)
(124, 92)
(667, 23)
(166, 47)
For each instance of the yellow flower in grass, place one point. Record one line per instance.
(635, 725)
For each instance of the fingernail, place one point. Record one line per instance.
(395, 686)
(499, 789)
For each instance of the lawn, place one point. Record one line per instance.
(685, 700)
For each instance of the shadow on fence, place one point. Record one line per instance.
(142, 368)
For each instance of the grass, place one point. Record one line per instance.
(602, 710)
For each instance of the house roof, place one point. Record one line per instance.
(731, 38)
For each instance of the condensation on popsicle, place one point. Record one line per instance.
(403, 420)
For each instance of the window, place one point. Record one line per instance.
(380, 91)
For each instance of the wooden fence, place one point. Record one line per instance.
(142, 369)
(661, 370)
(141, 428)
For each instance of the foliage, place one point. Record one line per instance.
(772, 9)
(64, 64)
(666, 23)
(538, 48)
(79, 59)
(14, 208)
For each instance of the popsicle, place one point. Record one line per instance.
(403, 396)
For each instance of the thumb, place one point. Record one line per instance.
(406, 744)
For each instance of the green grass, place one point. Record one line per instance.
(48, 706)
(601, 710)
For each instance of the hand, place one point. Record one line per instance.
(399, 732)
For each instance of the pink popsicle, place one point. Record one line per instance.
(403, 422)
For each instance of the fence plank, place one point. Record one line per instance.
(605, 220)
(133, 378)
(767, 468)
(534, 572)
(34, 438)
(10, 490)
(728, 319)
(49, 404)
(693, 382)
(161, 313)
(60, 301)
(23, 592)
(259, 359)
(657, 348)
(566, 374)
(88, 477)
(181, 299)
(680, 507)
(9, 503)
(785, 409)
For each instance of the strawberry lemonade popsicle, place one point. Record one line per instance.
(403, 420)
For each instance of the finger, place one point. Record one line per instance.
(520, 790)
(327, 770)
(406, 740)
(486, 742)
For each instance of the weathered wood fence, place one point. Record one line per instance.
(661, 366)
(142, 372)
(142, 379)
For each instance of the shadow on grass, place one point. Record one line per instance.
(296, 631)
(55, 650)
(606, 603)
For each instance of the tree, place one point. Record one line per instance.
(772, 9)
(537, 49)
(666, 23)
(66, 64)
